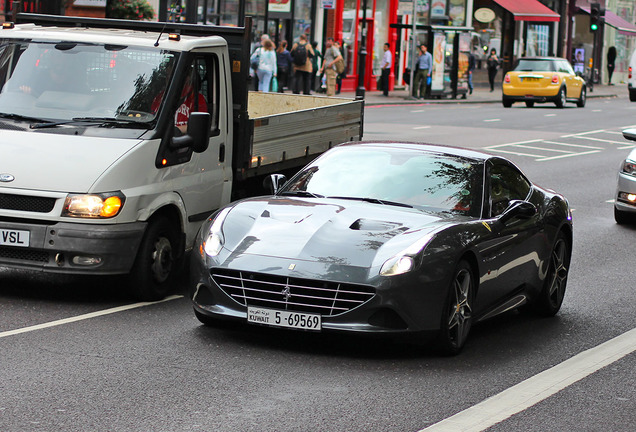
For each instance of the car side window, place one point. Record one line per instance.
(506, 184)
(565, 67)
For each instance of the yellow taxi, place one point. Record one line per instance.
(543, 79)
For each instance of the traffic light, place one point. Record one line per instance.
(595, 16)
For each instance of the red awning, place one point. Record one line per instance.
(528, 10)
(611, 19)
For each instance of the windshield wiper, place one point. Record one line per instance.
(21, 117)
(95, 120)
(302, 193)
(373, 200)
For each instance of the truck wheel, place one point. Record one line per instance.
(155, 267)
(632, 95)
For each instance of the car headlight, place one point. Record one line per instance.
(629, 167)
(93, 206)
(404, 262)
(214, 240)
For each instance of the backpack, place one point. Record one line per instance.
(340, 66)
(300, 55)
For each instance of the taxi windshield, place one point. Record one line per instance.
(65, 81)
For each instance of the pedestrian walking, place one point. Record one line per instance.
(492, 64)
(332, 54)
(611, 63)
(284, 66)
(471, 69)
(424, 68)
(301, 54)
(387, 61)
(267, 68)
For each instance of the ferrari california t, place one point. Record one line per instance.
(387, 238)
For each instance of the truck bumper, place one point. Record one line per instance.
(74, 248)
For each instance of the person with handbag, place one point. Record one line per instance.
(266, 65)
(424, 65)
(492, 64)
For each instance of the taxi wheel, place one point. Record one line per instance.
(560, 99)
(581, 102)
(529, 104)
(506, 103)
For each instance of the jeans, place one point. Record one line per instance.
(264, 79)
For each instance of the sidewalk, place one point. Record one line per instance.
(480, 95)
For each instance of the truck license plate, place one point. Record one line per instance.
(280, 318)
(10, 237)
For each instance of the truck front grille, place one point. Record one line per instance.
(26, 203)
(24, 254)
(295, 294)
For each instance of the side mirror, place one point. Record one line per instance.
(273, 183)
(518, 209)
(198, 135)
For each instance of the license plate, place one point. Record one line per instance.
(10, 237)
(280, 318)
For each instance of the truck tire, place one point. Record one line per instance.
(155, 266)
(632, 95)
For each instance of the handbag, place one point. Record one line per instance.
(340, 67)
(255, 59)
(274, 85)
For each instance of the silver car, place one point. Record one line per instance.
(625, 197)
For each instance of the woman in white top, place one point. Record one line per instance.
(266, 65)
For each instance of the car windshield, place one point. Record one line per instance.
(394, 176)
(65, 81)
(527, 65)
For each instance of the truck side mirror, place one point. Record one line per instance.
(274, 182)
(198, 135)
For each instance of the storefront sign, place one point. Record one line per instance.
(484, 15)
(405, 7)
(438, 8)
(96, 3)
(328, 4)
(281, 6)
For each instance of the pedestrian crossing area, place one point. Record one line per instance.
(567, 146)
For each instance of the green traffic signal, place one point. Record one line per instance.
(593, 27)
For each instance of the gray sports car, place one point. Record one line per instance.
(387, 238)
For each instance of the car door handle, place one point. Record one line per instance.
(222, 153)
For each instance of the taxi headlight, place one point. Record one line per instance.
(93, 206)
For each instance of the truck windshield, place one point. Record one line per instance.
(64, 81)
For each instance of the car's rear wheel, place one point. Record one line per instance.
(632, 95)
(529, 104)
(507, 103)
(581, 102)
(561, 98)
(623, 218)
(457, 315)
(551, 297)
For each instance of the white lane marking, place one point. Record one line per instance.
(614, 132)
(514, 153)
(492, 120)
(544, 148)
(422, 127)
(84, 317)
(599, 139)
(512, 144)
(612, 201)
(626, 147)
(414, 111)
(550, 115)
(537, 388)
(627, 127)
(568, 155)
(583, 133)
(574, 145)
(597, 110)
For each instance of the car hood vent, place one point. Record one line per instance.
(374, 225)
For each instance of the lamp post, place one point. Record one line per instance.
(362, 56)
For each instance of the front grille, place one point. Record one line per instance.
(295, 294)
(24, 254)
(26, 203)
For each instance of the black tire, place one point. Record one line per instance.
(529, 104)
(623, 218)
(457, 313)
(582, 98)
(632, 95)
(156, 264)
(506, 103)
(560, 98)
(551, 297)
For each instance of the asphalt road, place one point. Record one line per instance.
(99, 362)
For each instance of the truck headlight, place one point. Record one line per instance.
(214, 241)
(93, 206)
(405, 261)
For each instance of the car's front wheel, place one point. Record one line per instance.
(457, 316)
(561, 98)
(529, 104)
(622, 217)
(551, 297)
